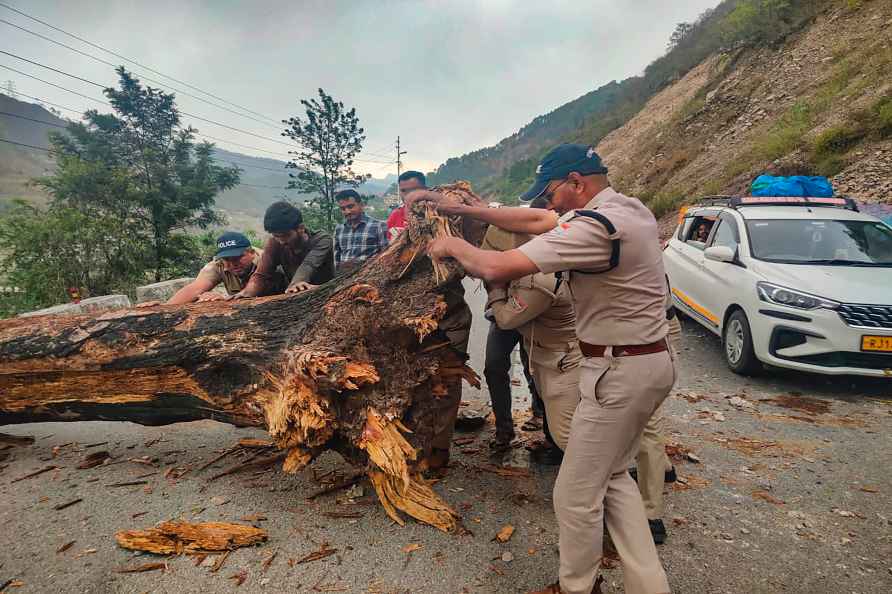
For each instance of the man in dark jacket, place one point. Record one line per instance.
(305, 257)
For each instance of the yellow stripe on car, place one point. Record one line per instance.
(696, 306)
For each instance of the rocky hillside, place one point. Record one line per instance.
(819, 103)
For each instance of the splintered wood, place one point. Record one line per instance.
(355, 365)
(177, 537)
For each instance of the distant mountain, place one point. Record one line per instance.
(263, 180)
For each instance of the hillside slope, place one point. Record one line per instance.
(821, 104)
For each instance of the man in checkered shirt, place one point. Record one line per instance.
(359, 237)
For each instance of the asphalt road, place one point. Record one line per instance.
(782, 500)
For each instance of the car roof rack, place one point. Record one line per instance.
(808, 201)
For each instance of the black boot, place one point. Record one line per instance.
(547, 455)
(668, 477)
(658, 531)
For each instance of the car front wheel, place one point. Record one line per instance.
(737, 341)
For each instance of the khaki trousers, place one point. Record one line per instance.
(652, 459)
(652, 466)
(617, 397)
(560, 395)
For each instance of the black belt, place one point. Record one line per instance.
(629, 350)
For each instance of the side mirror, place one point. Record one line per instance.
(719, 253)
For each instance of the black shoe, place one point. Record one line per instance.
(668, 477)
(658, 531)
(501, 442)
(547, 456)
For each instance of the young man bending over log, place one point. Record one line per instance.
(233, 264)
(305, 256)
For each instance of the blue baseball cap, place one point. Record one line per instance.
(231, 244)
(560, 162)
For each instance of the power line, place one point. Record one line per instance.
(199, 134)
(53, 69)
(108, 51)
(77, 111)
(40, 148)
(191, 115)
(53, 84)
(51, 151)
(142, 76)
(21, 117)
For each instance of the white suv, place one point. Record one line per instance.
(803, 283)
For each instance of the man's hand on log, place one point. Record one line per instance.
(440, 249)
(300, 287)
(443, 203)
(148, 304)
(211, 296)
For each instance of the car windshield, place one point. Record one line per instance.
(828, 242)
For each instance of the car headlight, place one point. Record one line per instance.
(791, 298)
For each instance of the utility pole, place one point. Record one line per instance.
(399, 162)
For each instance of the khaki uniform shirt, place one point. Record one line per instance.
(622, 306)
(499, 240)
(214, 273)
(543, 313)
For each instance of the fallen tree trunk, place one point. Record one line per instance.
(354, 366)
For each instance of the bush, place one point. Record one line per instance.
(786, 134)
(44, 252)
(838, 139)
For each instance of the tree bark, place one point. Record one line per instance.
(355, 365)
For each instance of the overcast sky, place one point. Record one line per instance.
(447, 77)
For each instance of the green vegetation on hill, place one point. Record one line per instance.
(503, 170)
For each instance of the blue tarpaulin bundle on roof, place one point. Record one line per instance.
(794, 185)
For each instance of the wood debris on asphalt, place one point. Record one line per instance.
(142, 568)
(240, 577)
(175, 537)
(343, 484)
(264, 565)
(251, 464)
(36, 473)
(321, 553)
(765, 496)
(94, 459)
(62, 506)
(128, 484)
(505, 534)
(65, 547)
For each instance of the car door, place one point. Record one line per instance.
(685, 266)
(722, 281)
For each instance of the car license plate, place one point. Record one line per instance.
(876, 343)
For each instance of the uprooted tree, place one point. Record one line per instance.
(355, 366)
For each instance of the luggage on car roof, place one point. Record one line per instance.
(794, 185)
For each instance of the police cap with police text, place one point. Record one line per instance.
(231, 244)
(560, 162)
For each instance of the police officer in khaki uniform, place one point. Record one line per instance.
(607, 245)
(541, 309)
(233, 264)
(500, 344)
